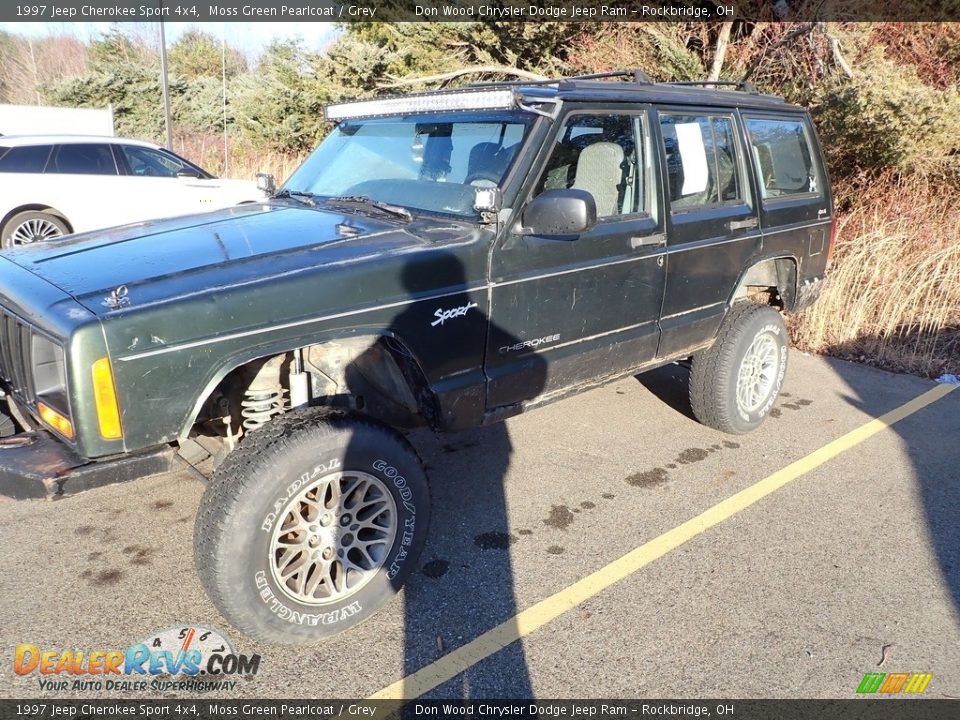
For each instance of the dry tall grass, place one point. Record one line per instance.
(893, 295)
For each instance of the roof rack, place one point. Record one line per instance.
(741, 85)
(637, 75)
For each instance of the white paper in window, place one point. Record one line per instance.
(694, 158)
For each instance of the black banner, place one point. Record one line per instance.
(474, 10)
(858, 709)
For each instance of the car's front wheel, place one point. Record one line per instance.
(735, 382)
(32, 226)
(311, 525)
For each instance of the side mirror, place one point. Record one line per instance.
(266, 184)
(560, 213)
(188, 173)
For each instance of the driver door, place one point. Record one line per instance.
(571, 311)
(160, 190)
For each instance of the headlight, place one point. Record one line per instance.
(50, 373)
(50, 384)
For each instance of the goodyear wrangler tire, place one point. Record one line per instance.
(311, 526)
(734, 383)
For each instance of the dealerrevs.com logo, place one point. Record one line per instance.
(185, 658)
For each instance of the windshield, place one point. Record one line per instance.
(423, 162)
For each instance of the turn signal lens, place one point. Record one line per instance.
(105, 396)
(55, 420)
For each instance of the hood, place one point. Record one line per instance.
(162, 260)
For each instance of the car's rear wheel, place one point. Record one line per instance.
(311, 526)
(734, 383)
(32, 226)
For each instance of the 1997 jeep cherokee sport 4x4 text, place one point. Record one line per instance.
(446, 259)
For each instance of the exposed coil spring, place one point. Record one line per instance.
(261, 405)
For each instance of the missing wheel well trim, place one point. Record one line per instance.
(376, 375)
(769, 282)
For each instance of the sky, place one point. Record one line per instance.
(248, 37)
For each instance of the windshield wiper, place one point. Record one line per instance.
(368, 202)
(304, 197)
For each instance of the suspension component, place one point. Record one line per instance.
(299, 382)
(265, 396)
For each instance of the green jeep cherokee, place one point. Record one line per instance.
(445, 259)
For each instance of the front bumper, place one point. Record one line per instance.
(35, 465)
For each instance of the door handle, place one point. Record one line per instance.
(743, 224)
(647, 241)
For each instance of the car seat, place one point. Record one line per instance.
(600, 173)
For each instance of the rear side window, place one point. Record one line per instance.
(703, 168)
(83, 159)
(781, 154)
(27, 159)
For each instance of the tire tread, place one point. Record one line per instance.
(237, 475)
(710, 370)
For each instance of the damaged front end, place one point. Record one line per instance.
(55, 395)
(34, 465)
(36, 462)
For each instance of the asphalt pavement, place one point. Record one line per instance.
(853, 566)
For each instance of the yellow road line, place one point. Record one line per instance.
(543, 612)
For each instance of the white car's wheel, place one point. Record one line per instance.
(32, 226)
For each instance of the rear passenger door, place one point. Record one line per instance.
(566, 311)
(84, 183)
(712, 223)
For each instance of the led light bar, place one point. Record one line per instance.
(441, 102)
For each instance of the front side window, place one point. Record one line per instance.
(26, 159)
(421, 162)
(604, 155)
(148, 162)
(782, 157)
(702, 160)
(83, 159)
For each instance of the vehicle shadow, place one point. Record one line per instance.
(930, 440)
(670, 384)
(937, 473)
(463, 584)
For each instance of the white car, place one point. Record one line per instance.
(52, 185)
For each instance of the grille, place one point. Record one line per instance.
(15, 356)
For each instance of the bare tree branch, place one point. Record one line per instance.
(786, 39)
(837, 53)
(444, 78)
(720, 53)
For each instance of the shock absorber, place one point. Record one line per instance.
(264, 396)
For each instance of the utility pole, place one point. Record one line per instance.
(165, 83)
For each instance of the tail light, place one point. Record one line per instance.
(833, 240)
